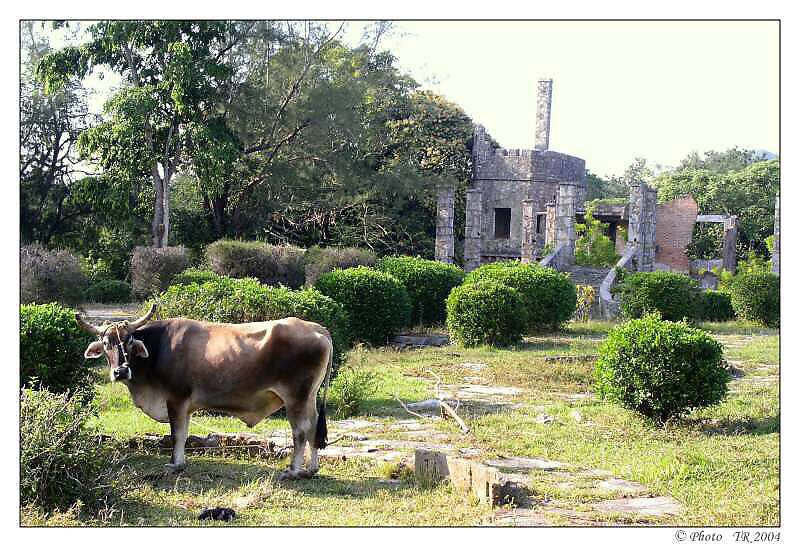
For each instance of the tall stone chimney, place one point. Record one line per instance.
(544, 98)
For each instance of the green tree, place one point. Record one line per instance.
(733, 159)
(175, 72)
(49, 129)
(748, 193)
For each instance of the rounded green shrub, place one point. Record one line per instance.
(485, 312)
(549, 297)
(673, 295)
(61, 460)
(108, 291)
(756, 297)
(428, 283)
(660, 368)
(51, 347)
(714, 306)
(194, 275)
(377, 303)
(227, 300)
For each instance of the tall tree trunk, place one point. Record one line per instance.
(158, 213)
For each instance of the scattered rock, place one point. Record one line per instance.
(432, 405)
(475, 367)
(576, 415)
(652, 507)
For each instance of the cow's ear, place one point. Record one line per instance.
(138, 349)
(94, 350)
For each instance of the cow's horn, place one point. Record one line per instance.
(133, 325)
(91, 329)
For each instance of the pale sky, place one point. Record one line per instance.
(620, 89)
(658, 90)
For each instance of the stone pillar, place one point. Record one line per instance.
(729, 236)
(528, 248)
(472, 229)
(565, 222)
(544, 99)
(445, 215)
(550, 224)
(642, 226)
(776, 244)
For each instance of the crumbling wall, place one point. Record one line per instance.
(674, 227)
(642, 226)
(445, 216)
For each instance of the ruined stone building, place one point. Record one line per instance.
(510, 195)
(521, 202)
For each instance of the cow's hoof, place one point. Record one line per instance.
(173, 468)
(289, 474)
(308, 473)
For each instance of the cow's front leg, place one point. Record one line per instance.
(179, 426)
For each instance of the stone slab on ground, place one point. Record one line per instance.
(652, 507)
(516, 465)
(621, 486)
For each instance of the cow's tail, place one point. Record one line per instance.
(321, 437)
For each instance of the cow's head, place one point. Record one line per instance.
(117, 343)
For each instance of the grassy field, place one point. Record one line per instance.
(720, 463)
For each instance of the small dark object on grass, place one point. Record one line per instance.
(218, 513)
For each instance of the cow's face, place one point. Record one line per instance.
(120, 347)
(117, 343)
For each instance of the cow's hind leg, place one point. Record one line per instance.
(179, 426)
(302, 417)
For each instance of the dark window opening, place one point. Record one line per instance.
(502, 223)
(540, 222)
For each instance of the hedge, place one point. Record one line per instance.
(50, 276)
(673, 295)
(660, 368)
(376, 302)
(756, 297)
(428, 283)
(270, 264)
(485, 312)
(108, 291)
(321, 260)
(549, 297)
(153, 268)
(51, 348)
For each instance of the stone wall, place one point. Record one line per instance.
(642, 226)
(472, 229)
(445, 216)
(674, 227)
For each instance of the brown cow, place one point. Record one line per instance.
(177, 366)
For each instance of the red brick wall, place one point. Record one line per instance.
(674, 226)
